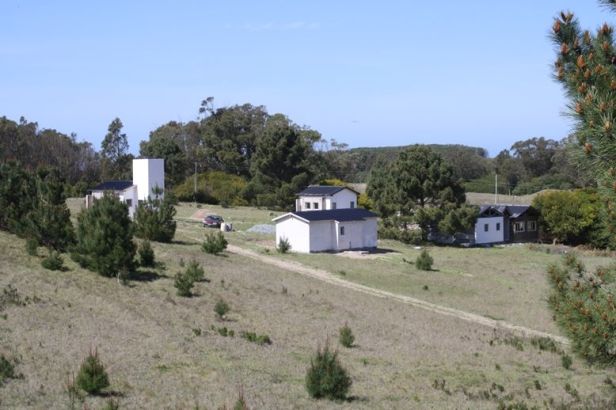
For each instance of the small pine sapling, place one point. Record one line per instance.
(92, 376)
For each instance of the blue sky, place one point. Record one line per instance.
(365, 73)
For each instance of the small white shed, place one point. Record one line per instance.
(328, 230)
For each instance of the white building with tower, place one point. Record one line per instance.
(326, 219)
(148, 174)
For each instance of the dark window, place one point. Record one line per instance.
(498, 226)
(352, 204)
(316, 205)
(531, 225)
(486, 227)
(129, 202)
(307, 205)
(333, 205)
(342, 231)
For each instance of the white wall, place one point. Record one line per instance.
(296, 231)
(129, 193)
(322, 236)
(492, 236)
(357, 234)
(343, 199)
(312, 199)
(148, 173)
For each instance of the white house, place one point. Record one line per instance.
(328, 230)
(320, 197)
(506, 223)
(148, 173)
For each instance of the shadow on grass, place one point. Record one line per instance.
(356, 399)
(176, 242)
(111, 394)
(145, 276)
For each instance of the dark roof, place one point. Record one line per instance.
(345, 214)
(514, 211)
(113, 186)
(323, 190)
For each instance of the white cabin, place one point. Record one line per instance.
(148, 173)
(323, 197)
(328, 230)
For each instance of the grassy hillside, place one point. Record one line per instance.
(161, 351)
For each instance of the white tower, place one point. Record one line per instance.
(148, 173)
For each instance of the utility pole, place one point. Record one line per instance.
(195, 184)
(495, 188)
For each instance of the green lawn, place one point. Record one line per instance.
(503, 282)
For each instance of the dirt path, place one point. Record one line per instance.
(329, 278)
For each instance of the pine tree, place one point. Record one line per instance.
(49, 223)
(154, 219)
(104, 238)
(586, 67)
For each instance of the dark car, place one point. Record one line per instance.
(212, 221)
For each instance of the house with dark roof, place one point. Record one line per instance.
(334, 224)
(148, 174)
(506, 223)
(319, 197)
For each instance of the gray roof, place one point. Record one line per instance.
(322, 190)
(514, 211)
(113, 186)
(341, 215)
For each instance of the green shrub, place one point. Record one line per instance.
(7, 369)
(258, 339)
(146, 254)
(583, 305)
(154, 219)
(32, 247)
(92, 377)
(105, 238)
(53, 262)
(283, 245)
(214, 243)
(326, 378)
(221, 308)
(213, 187)
(566, 361)
(424, 261)
(346, 337)
(184, 284)
(195, 271)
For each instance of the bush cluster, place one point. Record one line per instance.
(221, 308)
(326, 378)
(283, 245)
(255, 338)
(424, 261)
(584, 307)
(146, 254)
(346, 337)
(154, 219)
(214, 243)
(213, 187)
(53, 262)
(185, 280)
(92, 377)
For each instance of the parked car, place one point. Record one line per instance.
(212, 221)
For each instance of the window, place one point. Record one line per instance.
(486, 227)
(352, 204)
(498, 226)
(518, 227)
(531, 225)
(342, 231)
(129, 202)
(333, 205)
(316, 205)
(307, 205)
